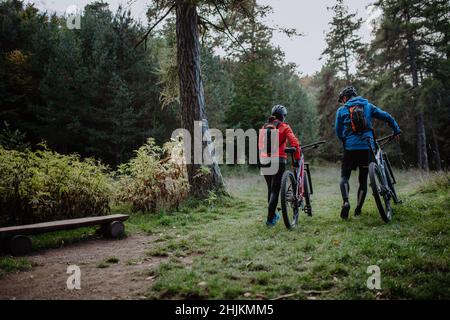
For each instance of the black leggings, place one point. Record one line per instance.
(345, 186)
(273, 190)
(352, 160)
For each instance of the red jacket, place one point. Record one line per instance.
(285, 134)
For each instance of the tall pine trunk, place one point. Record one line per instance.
(422, 155)
(192, 98)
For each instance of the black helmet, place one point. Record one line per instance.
(279, 110)
(348, 92)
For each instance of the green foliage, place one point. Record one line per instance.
(10, 139)
(261, 78)
(91, 87)
(150, 181)
(405, 70)
(44, 186)
(219, 88)
(329, 86)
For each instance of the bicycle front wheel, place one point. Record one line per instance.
(380, 194)
(390, 181)
(289, 206)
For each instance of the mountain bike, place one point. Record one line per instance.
(382, 180)
(297, 188)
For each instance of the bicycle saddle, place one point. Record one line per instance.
(290, 150)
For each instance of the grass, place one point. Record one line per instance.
(236, 256)
(9, 265)
(233, 255)
(107, 262)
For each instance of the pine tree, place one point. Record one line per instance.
(401, 51)
(343, 41)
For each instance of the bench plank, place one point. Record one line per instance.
(37, 228)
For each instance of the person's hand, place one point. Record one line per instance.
(397, 137)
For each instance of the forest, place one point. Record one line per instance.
(105, 96)
(87, 115)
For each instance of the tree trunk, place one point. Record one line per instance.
(436, 153)
(192, 98)
(422, 155)
(347, 71)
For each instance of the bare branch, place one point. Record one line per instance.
(152, 27)
(229, 33)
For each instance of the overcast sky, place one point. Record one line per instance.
(310, 17)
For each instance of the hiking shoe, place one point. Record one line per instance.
(345, 210)
(358, 211)
(273, 222)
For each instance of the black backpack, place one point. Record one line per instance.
(358, 122)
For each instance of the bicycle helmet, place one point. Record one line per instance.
(279, 111)
(348, 92)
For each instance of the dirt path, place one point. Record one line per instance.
(126, 279)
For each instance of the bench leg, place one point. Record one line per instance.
(114, 229)
(19, 245)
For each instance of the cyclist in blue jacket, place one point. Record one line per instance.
(353, 126)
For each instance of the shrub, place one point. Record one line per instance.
(44, 186)
(155, 178)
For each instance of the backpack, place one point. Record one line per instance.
(358, 120)
(268, 130)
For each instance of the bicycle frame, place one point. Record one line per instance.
(299, 175)
(378, 157)
(302, 170)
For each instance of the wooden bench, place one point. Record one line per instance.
(15, 239)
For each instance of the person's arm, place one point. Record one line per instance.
(293, 141)
(386, 117)
(338, 125)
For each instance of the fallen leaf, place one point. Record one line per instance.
(337, 243)
(308, 259)
(247, 294)
(202, 284)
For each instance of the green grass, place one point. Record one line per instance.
(236, 255)
(233, 255)
(10, 265)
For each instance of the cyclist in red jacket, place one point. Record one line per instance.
(285, 135)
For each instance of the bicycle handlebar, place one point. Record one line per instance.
(381, 142)
(313, 145)
(387, 139)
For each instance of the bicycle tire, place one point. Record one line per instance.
(287, 196)
(391, 181)
(307, 195)
(386, 210)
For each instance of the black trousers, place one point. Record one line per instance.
(273, 189)
(352, 160)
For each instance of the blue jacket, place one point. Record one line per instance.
(357, 141)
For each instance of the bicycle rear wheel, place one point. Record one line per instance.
(381, 196)
(289, 206)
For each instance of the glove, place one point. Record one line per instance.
(297, 164)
